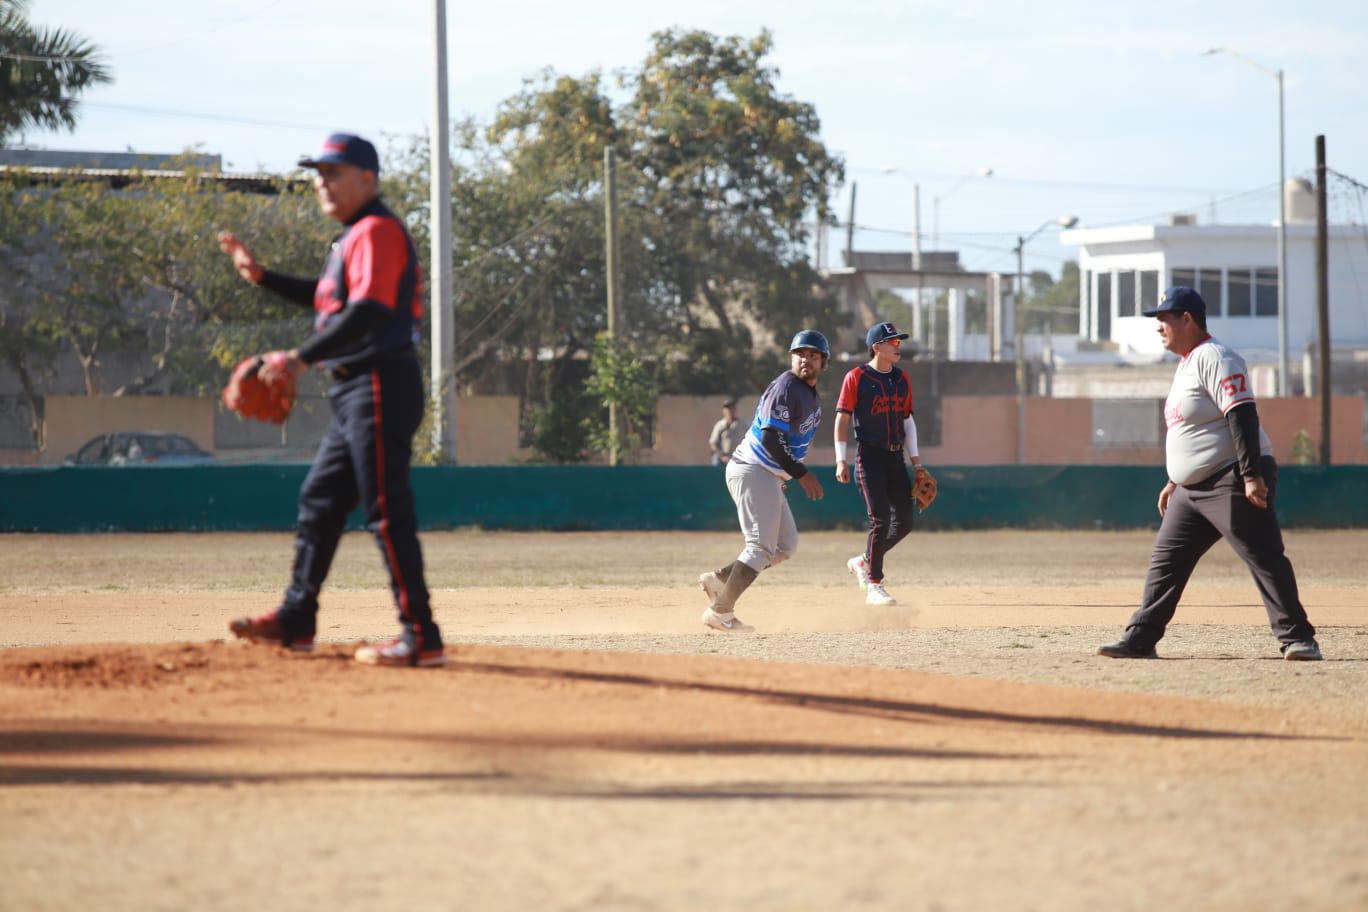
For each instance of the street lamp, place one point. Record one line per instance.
(936, 201)
(1282, 214)
(1064, 221)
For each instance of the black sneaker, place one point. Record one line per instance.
(1303, 651)
(1123, 650)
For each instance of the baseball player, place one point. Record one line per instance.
(877, 398)
(1222, 480)
(771, 452)
(367, 303)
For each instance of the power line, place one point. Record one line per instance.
(1344, 177)
(219, 118)
(1051, 182)
(990, 248)
(238, 20)
(50, 58)
(1216, 202)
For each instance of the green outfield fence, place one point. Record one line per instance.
(262, 497)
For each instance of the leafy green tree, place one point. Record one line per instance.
(717, 171)
(619, 378)
(42, 72)
(731, 167)
(28, 346)
(1051, 303)
(137, 272)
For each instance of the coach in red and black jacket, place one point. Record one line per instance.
(367, 304)
(877, 398)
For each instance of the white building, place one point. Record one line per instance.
(1235, 267)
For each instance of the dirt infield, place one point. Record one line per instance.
(589, 748)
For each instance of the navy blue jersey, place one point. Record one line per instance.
(878, 402)
(373, 260)
(793, 409)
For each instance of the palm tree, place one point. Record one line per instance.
(41, 72)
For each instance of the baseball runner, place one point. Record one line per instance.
(877, 398)
(367, 303)
(771, 453)
(1222, 481)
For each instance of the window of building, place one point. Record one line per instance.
(1127, 423)
(1186, 277)
(1209, 287)
(1265, 292)
(1149, 289)
(1104, 300)
(1239, 293)
(1125, 293)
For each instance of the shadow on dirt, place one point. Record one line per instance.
(898, 710)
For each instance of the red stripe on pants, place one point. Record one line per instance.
(382, 501)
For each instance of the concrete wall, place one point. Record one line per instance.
(72, 420)
(975, 430)
(1283, 418)
(487, 430)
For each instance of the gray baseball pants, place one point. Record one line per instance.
(1198, 516)
(764, 514)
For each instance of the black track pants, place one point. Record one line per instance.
(882, 476)
(1198, 516)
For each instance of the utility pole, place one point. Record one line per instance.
(1282, 247)
(1282, 213)
(1019, 323)
(442, 382)
(850, 226)
(916, 226)
(919, 327)
(1018, 301)
(1323, 301)
(613, 280)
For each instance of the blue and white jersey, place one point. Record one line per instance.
(793, 409)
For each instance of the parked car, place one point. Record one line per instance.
(139, 448)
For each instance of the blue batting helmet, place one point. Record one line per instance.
(810, 338)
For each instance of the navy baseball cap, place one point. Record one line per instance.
(344, 149)
(1178, 299)
(882, 332)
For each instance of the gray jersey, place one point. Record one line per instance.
(1210, 381)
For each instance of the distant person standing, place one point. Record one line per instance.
(1222, 481)
(877, 399)
(771, 453)
(366, 306)
(722, 440)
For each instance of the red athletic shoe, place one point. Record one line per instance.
(266, 628)
(399, 653)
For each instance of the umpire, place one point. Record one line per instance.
(1222, 481)
(366, 305)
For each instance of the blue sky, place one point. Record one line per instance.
(1105, 111)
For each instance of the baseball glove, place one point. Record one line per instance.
(924, 489)
(265, 396)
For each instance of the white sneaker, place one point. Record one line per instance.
(876, 594)
(712, 584)
(859, 568)
(727, 623)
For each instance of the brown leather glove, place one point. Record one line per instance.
(924, 488)
(264, 396)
